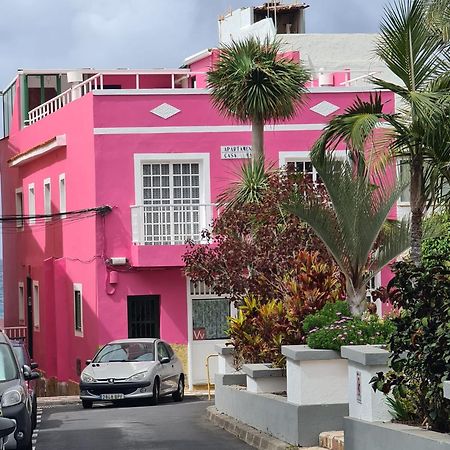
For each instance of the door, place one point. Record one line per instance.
(143, 316)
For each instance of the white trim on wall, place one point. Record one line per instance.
(78, 287)
(207, 129)
(36, 314)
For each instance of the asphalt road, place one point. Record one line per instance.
(168, 426)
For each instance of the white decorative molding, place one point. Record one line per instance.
(165, 111)
(37, 151)
(324, 108)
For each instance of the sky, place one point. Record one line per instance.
(106, 34)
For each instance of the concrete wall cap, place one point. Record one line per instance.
(447, 389)
(223, 349)
(262, 371)
(366, 355)
(305, 353)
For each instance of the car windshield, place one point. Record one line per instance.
(126, 352)
(8, 365)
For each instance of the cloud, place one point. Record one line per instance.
(138, 33)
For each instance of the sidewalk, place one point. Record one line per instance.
(75, 399)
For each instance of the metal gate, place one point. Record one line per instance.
(143, 316)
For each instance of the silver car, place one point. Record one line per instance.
(131, 369)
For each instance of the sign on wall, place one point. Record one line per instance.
(236, 151)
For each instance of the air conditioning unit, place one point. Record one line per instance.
(74, 76)
(118, 261)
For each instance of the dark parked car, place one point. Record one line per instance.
(15, 399)
(23, 357)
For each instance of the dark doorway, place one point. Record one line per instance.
(30, 315)
(143, 316)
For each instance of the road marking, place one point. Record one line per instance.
(36, 430)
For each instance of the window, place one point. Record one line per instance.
(171, 198)
(162, 351)
(210, 318)
(47, 198)
(62, 194)
(306, 168)
(36, 322)
(403, 175)
(19, 207)
(31, 203)
(21, 299)
(78, 308)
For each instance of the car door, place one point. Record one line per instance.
(164, 368)
(173, 368)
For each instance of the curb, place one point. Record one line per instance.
(75, 399)
(244, 432)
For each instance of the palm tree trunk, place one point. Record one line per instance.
(356, 298)
(417, 207)
(258, 139)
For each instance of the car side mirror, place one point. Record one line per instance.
(164, 360)
(7, 426)
(26, 370)
(88, 361)
(34, 365)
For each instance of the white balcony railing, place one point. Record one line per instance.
(170, 224)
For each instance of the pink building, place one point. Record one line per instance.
(116, 170)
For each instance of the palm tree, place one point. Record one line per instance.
(353, 224)
(420, 60)
(252, 82)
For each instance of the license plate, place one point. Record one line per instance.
(112, 396)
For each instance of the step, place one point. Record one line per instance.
(332, 440)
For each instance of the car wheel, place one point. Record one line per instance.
(178, 395)
(155, 398)
(87, 404)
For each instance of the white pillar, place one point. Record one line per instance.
(447, 389)
(315, 377)
(364, 362)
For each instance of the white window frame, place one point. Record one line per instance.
(21, 302)
(31, 203)
(62, 195)
(304, 155)
(202, 159)
(47, 198)
(19, 207)
(78, 287)
(36, 313)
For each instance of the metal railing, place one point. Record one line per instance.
(16, 332)
(170, 224)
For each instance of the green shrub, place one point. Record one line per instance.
(420, 347)
(329, 314)
(351, 331)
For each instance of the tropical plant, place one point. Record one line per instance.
(437, 247)
(254, 243)
(419, 131)
(420, 347)
(253, 82)
(262, 326)
(352, 224)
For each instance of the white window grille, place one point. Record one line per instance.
(171, 202)
(78, 308)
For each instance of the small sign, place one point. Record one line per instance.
(236, 151)
(199, 334)
(358, 387)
